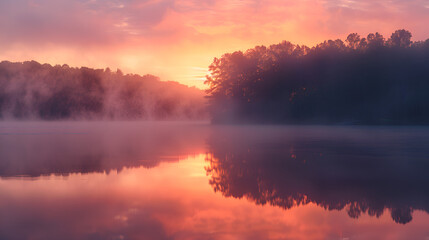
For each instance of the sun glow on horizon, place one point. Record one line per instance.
(177, 40)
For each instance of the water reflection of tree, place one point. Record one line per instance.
(359, 174)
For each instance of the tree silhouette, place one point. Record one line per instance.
(362, 81)
(353, 41)
(375, 40)
(400, 38)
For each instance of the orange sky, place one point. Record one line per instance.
(177, 39)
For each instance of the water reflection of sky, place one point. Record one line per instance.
(174, 197)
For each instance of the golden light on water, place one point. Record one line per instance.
(177, 198)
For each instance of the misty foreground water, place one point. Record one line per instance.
(193, 180)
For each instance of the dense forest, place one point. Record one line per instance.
(31, 90)
(359, 81)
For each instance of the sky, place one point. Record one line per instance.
(178, 39)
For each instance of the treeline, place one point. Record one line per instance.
(357, 81)
(31, 90)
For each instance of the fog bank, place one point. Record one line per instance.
(30, 90)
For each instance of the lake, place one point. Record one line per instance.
(192, 180)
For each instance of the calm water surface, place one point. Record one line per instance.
(134, 180)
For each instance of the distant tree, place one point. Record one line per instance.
(400, 38)
(331, 45)
(363, 43)
(375, 40)
(353, 41)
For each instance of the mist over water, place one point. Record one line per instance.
(284, 141)
(33, 149)
(104, 179)
(358, 174)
